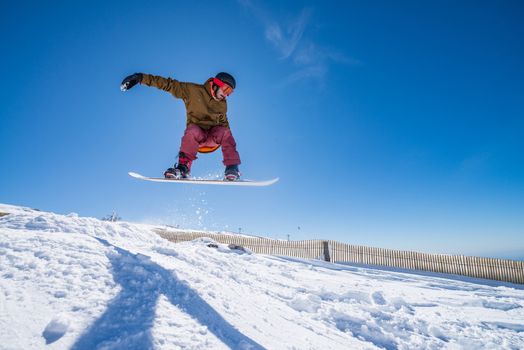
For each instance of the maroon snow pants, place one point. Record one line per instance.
(195, 137)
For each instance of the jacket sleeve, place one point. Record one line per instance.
(173, 86)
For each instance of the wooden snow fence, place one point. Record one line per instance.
(337, 252)
(313, 249)
(472, 266)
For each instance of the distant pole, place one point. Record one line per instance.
(288, 237)
(240, 230)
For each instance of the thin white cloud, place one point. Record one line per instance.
(291, 43)
(286, 41)
(307, 73)
(310, 53)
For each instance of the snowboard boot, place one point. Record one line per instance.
(181, 170)
(231, 173)
(170, 173)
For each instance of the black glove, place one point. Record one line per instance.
(131, 81)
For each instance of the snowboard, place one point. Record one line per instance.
(206, 182)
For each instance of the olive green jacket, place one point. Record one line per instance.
(201, 108)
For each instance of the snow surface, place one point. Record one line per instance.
(69, 282)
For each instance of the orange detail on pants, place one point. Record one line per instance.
(195, 139)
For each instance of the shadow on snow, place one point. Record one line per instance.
(129, 317)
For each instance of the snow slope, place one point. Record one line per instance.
(68, 282)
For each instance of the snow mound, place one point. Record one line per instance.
(56, 328)
(70, 282)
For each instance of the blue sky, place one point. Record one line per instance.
(391, 124)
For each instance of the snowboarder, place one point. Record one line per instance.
(207, 126)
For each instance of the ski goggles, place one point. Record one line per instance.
(226, 89)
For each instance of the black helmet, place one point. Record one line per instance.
(227, 78)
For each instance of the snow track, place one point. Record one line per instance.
(79, 283)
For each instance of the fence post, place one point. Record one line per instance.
(327, 256)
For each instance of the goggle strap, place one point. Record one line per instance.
(225, 87)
